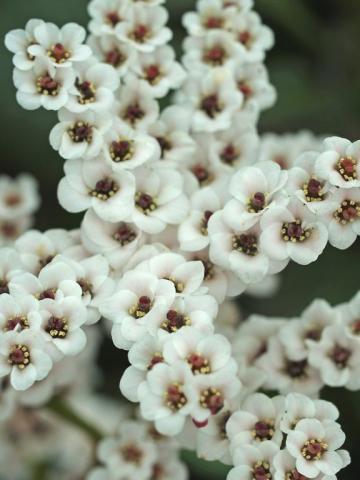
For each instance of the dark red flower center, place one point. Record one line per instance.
(133, 113)
(46, 85)
(313, 190)
(348, 212)
(19, 356)
(245, 38)
(145, 202)
(115, 57)
(214, 22)
(340, 356)
(296, 369)
(121, 150)
(294, 232)
(346, 166)
(261, 471)
(211, 105)
(48, 293)
(58, 53)
(81, 132)
(174, 321)
(201, 173)
(152, 74)
(104, 189)
(142, 308)
(124, 234)
(295, 475)
(257, 202)
(175, 398)
(132, 454)
(113, 18)
(57, 327)
(157, 358)
(212, 399)
(198, 363)
(140, 33)
(20, 322)
(229, 154)
(215, 55)
(86, 90)
(263, 430)
(246, 243)
(245, 89)
(314, 449)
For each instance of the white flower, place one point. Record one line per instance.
(343, 219)
(136, 106)
(79, 134)
(159, 200)
(212, 442)
(10, 265)
(125, 148)
(108, 49)
(39, 88)
(158, 70)
(106, 15)
(255, 190)
(116, 241)
(60, 47)
(94, 185)
(18, 314)
(192, 233)
(93, 87)
(314, 445)
(211, 15)
(340, 162)
(168, 465)
(292, 232)
(258, 420)
(213, 98)
(145, 28)
(168, 397)
(254, 462)
(19, 196)
(138, 298)
(348, 315)
(22, 356)
(18, 42)
(337, 357)
(10, 230)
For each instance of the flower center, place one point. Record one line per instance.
(214, 22)
(263, 430)
(81, 132)
(205, 221)
(3, 286)
(165, 145)
(202, 174)
(124, 235)
(245, 38)
(174, 397)
(46, 85)
(86, 287)
(294, 232)
(113, 18)
(212, 399)
(133, 113)
(152, 74)
(348, 212)
(115, 57)
(346, 166)
(296, 369)
(245, 89)
(261, 471)
(158, 472)
(19, 356)
(87, 91)
(295, 475)
(9, 229)
(142, 308)
(157, 358)
(145, 203)
(211, 105)
(256, 203)
(179, 286)
(48, 293)
(314, 449)
(355, 326)
(140, 34)
(19, 321)
(229, 154)
(132, 454)
(340, 356)
(57, 327)
(314, 333)
(215, 56)
(313, 190)
(198, 364)
(174, 321)
(122, 150)
(104, 189)
(245, 243)
(58, 53)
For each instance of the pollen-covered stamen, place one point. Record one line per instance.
(115, 57)
(205, 221)
(229, 154)
(152, 74)
(86, 287)
(58, 53)
(296, 369)
(174, 321)
(211, 105)
(314, 449)
(212, 399)
(179, 285)
(348, 212)
(313, 190)
(245, 38)
(57, 327)
(145, 202)
(46, 294)
(46, 85)
(20, 322)
(133, 113)
(141, 33)
(122, 150)
(156, 358)
(165, 145)
(263, 430)
(4, 287)
(198, 364)
(104, 189)
(246, 243)
(174, 397)
(261, 471)
(215, 56)
(245, 89)
(87, 91)
(124, 234)
(113, 18)
(202, 174)
(340, 356)
(81, 132)
(346, 166)
(132, 454)
(214, 22)
(257, 202)
(295, 475)
(19, 356)
(295, 232)
(142, 307)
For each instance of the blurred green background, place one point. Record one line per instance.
(316, 69)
